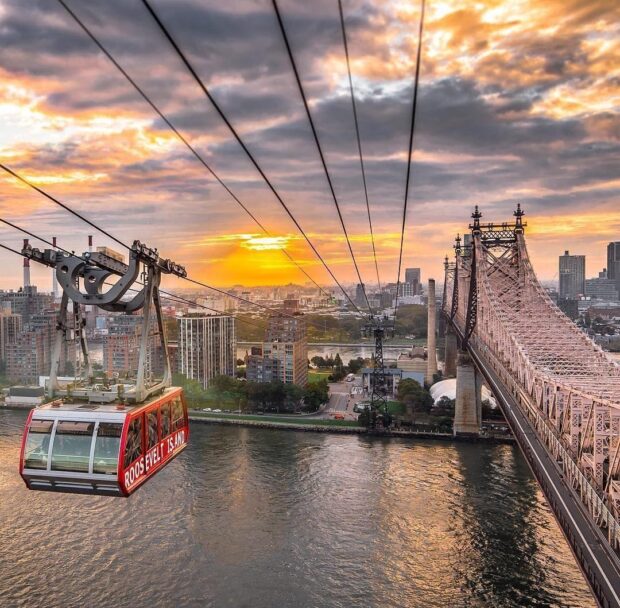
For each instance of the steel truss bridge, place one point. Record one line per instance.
(558, 390)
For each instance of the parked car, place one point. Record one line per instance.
(206, 409)
(218, 411)
(338, 417)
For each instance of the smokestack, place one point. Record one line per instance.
(431, 340)
(54, 279)
(90, 243)
(26, 267)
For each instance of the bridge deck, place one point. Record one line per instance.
(600, 565)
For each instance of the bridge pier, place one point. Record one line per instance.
(449, 370)
(431, 340)
(468, 407)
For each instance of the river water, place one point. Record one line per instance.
(258, 518)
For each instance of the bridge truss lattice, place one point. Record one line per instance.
(569, 388)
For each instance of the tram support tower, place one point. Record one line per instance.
(82, 280)
(379, 328)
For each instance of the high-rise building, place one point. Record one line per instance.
(613, 263)
(259, 368)
(360, 297)
(572, 276)
(121, 346)
(602, 288)
(10, 327)
(26, 358)
(27, 302)
(285, 352)
(413, 277)
(407, 290)
(207, 347)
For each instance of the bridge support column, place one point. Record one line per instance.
(431, 340)
(468, 408)
(449, 370)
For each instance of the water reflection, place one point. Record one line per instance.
(248, 517)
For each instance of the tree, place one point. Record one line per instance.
(355, 365)
(415, 398)
(444, 407)
(338, 364)
(277, 394)
(318, 361)
(337, 375)
(293, 396)
(194, 392)
(240, 362)
(224, 384)
(315, 395)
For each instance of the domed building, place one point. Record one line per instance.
(447, 388)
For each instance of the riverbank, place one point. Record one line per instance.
(339, 427)
(387, 344)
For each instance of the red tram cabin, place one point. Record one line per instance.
(104, 449)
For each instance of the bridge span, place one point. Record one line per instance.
(559, 392)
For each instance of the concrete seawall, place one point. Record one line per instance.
(350, 430)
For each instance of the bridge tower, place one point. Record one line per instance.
(468, 406)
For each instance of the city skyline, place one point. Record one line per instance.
(511, 109)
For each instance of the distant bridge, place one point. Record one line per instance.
(559, 392)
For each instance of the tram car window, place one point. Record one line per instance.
(37, 444)
(151, 425)
(107, 447)
(164, 415)
(133, 446)
(178, 415)
(71, 449)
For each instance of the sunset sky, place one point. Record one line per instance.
(519, 102)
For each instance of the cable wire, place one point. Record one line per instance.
(410, 152)
(11, 249)
(359, 139)
(96, 227)
(181, 137)
(65, 207)
(34, 236)
(315, 136)
(165, 294)
(244, 147)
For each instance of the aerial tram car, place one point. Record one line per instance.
(104, 436)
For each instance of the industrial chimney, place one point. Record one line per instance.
(26, 268)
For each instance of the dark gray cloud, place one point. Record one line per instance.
(479, 137)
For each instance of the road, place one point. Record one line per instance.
(590, 547)
(341, 401)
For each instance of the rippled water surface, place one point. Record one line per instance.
(259, 518)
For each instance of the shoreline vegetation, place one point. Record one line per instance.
(330, 328)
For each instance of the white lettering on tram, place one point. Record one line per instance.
(156, 455)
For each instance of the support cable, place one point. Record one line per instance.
(167, 295)
(60, 204)
(359, 140)
(410, 152)
(104, 232)
(244, 147)
(315, 136)
(181, 137)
